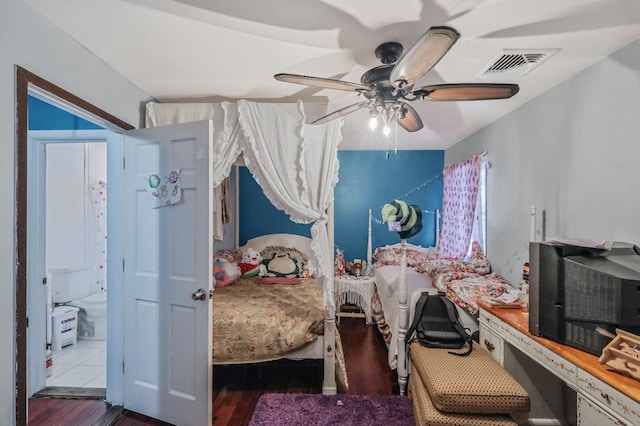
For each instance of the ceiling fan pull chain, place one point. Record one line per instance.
(396, 128)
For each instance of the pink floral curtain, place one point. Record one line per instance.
(461, 182)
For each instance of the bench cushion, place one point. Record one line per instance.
(468, 384)
(427, 415)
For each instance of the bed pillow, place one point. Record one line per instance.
(233, 256)
(478, 261)
(224, 272)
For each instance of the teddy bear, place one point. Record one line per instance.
(250, 265)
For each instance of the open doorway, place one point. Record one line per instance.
(30, 84)
(68, 196)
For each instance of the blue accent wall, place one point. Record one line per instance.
(368, 180)
(44, 116)
(258, 216)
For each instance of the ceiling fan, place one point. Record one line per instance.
(389, 88)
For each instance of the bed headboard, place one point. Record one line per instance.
(369, 242)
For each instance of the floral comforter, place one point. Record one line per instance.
(264, 322)
(466, 289)
(464, 281)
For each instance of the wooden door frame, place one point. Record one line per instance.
(24, 80)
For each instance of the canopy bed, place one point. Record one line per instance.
(297, 168)
(258, 318)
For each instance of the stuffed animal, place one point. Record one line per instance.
(340, 266)
(224, 272)
(250, 265)
(281, 265)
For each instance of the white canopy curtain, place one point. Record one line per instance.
(297, 168)
(295, 165)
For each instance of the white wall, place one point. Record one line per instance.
(28, 40)
(573, 152)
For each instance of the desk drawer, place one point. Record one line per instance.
(591, 414)
(492, 343)
(608, 397)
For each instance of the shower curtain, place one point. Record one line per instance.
(99, 202)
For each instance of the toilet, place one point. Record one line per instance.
(73, 287)
(92, 318)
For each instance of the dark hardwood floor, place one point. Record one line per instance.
(238, 387)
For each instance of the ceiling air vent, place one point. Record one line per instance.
(516, 62)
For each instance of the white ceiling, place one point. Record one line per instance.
(212, 50)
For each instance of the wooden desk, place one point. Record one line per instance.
(603, 396)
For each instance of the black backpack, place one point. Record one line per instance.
(436, 324)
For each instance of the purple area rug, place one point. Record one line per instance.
(290, 409)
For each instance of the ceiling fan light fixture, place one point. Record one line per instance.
(373, 123)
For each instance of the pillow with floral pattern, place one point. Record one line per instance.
(478, 261)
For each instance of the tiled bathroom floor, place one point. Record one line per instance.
(80, 365)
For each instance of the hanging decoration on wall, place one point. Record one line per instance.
(165, 188)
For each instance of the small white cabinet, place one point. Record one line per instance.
(357, 291)
(591, 401)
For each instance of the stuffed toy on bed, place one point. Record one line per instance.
(250, 265)
(281, 265)
(224, 272)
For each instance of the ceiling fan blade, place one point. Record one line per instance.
(425, 53)
(409, 119)
(342, 112)
(467, 91)
(327, 83)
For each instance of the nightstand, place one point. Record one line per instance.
(357, 291)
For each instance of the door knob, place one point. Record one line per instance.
(199, 294)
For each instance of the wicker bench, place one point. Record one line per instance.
(469, 390)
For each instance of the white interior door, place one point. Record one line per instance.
(168, 258)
